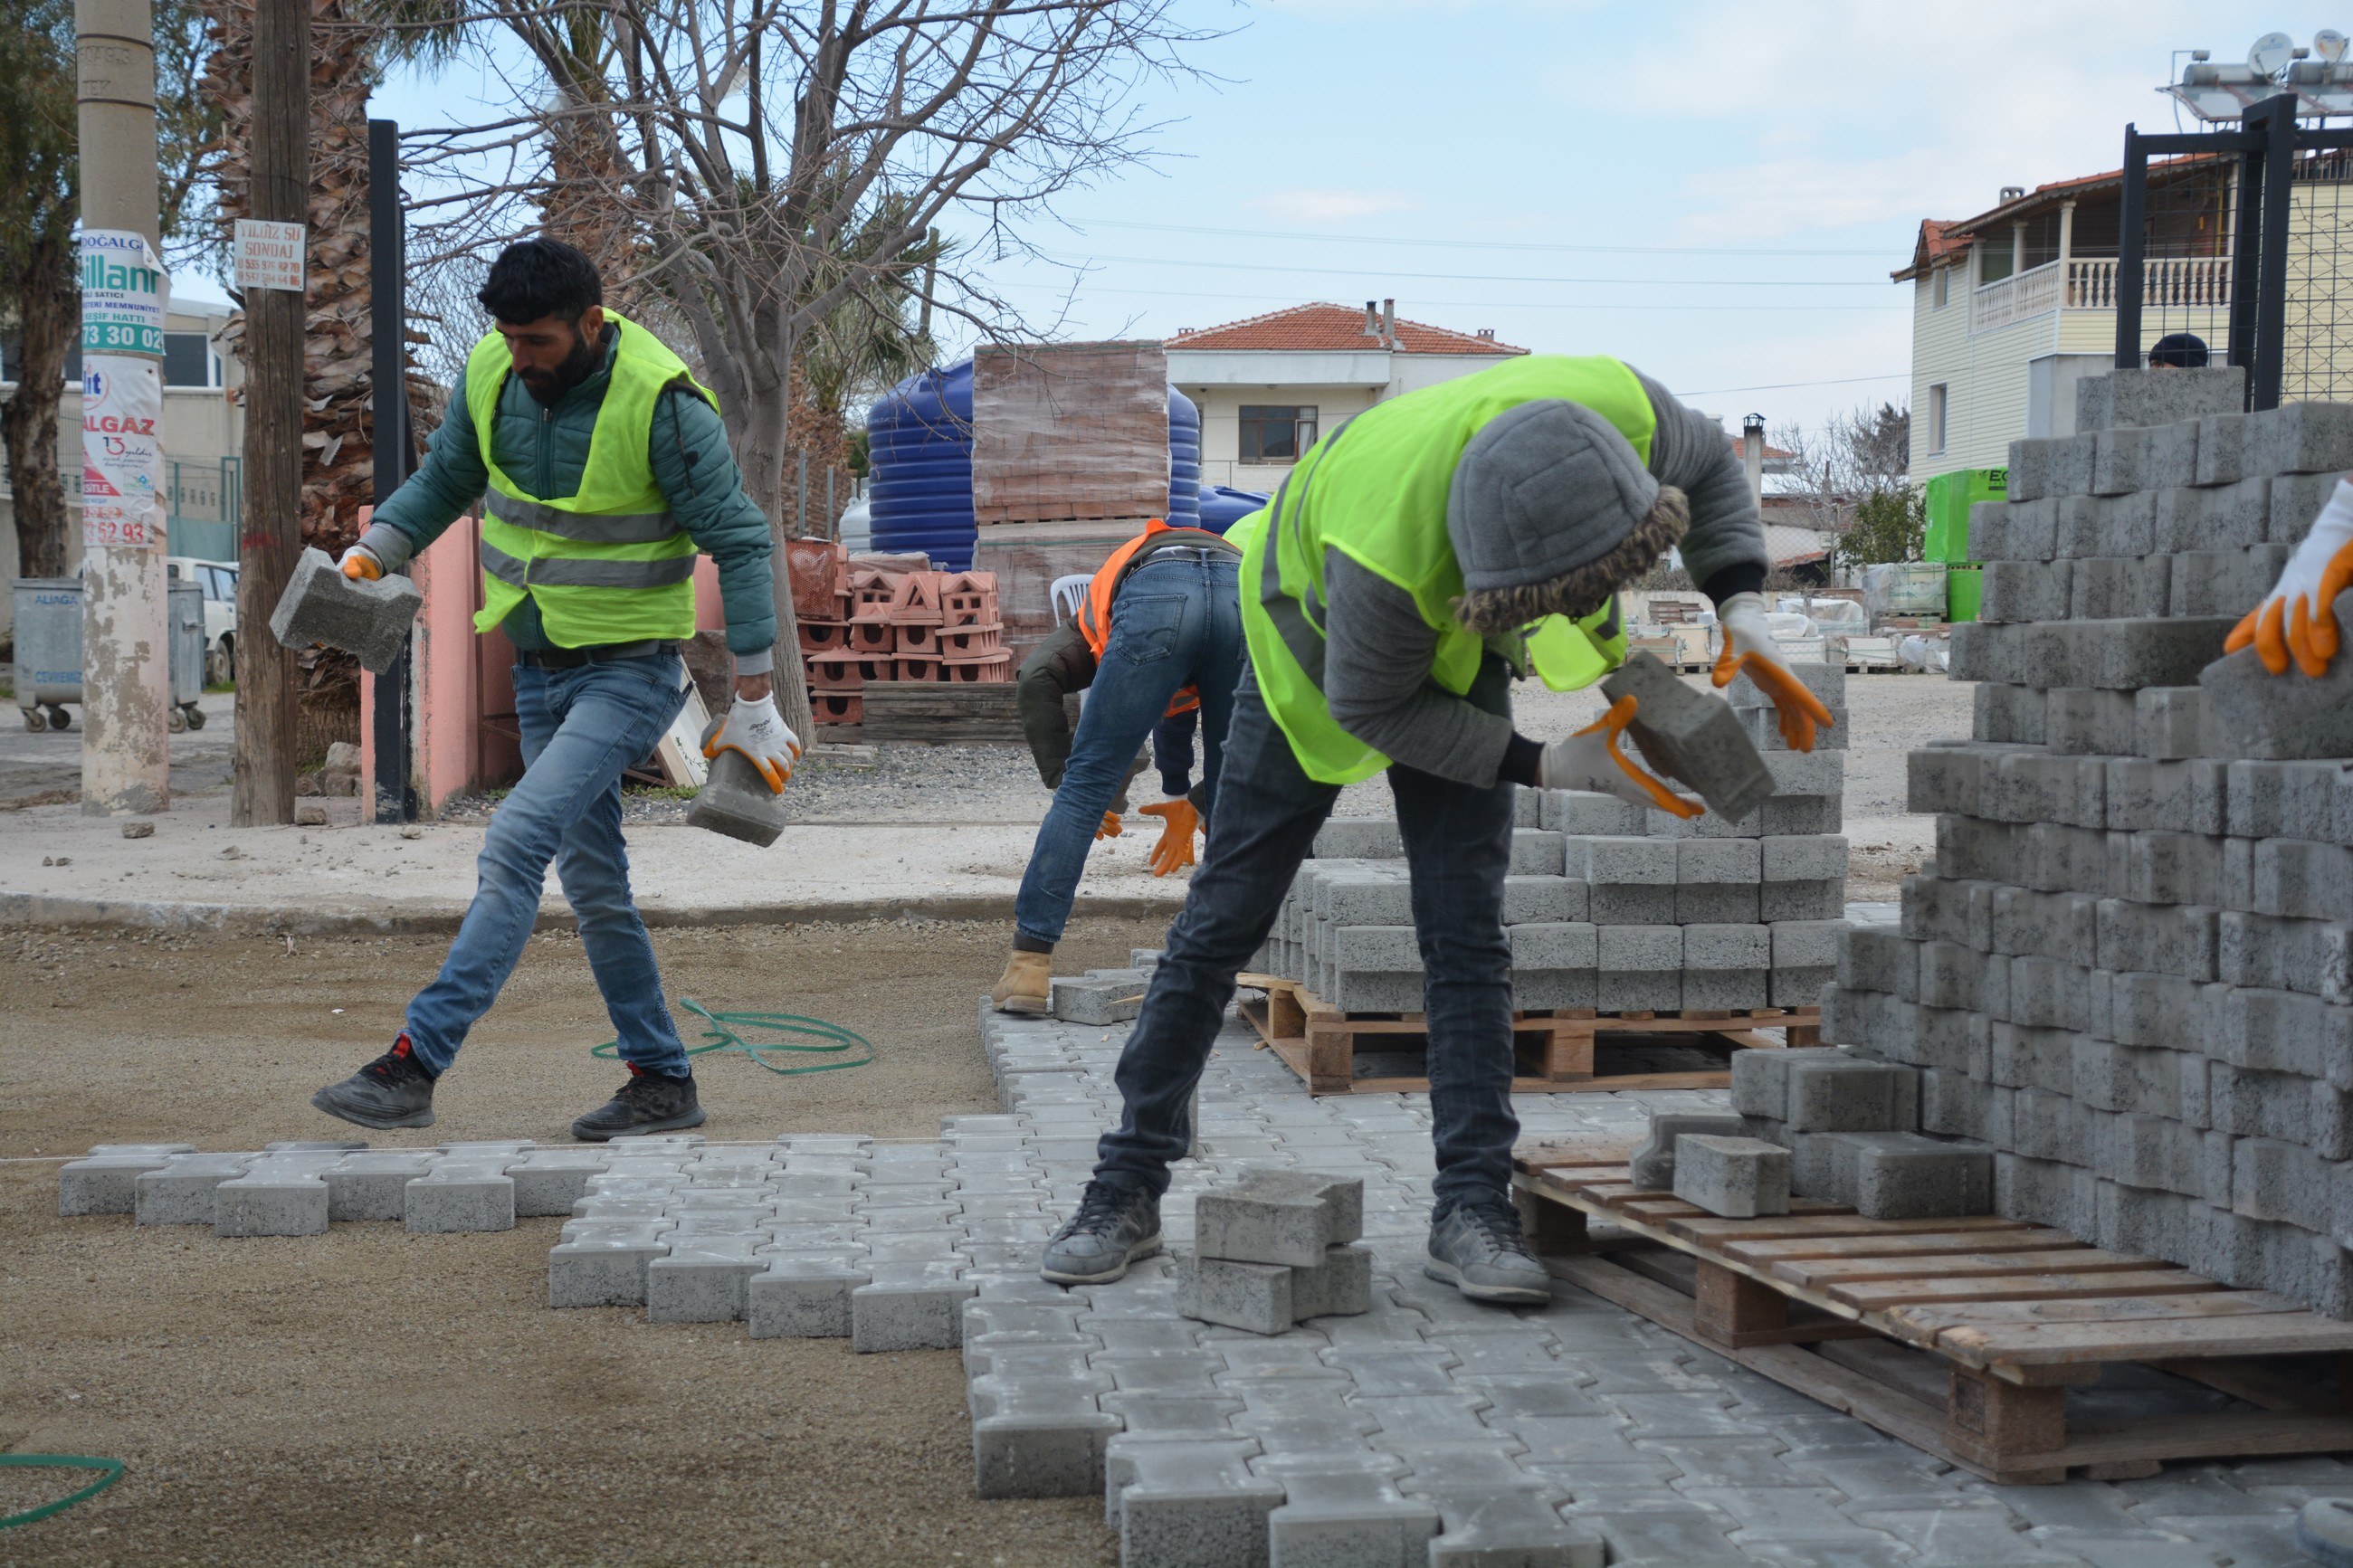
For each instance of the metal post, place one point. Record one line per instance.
(2247, 250)
(2132, 249)
(2278, 118)
(271, 538)
(395, 796)
(126, 682)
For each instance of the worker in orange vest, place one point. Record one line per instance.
(1160, 634)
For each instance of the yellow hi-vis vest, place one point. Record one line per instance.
(1375, 490)
(606, 564)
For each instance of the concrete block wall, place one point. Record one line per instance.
(1607, 906)
(2129, 969)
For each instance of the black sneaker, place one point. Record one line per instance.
(393, 1091)
(647, 1102)
(1113, 1228)
(1477, 1248)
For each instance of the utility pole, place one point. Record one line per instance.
(272, 537)
(126, 683)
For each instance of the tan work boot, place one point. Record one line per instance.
(1028, 979)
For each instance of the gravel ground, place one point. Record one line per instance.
(371, 1397)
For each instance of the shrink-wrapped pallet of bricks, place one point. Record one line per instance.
(2128, 974)
(1069, 431)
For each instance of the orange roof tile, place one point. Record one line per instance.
(1327, 328)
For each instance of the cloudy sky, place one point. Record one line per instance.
(1715, 192)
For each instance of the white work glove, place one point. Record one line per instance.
(761, 734)
(2299, 617)
(1749, 646)
(1590, 760)
(360, 564)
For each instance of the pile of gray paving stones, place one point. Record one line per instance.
(2129, 970)
(1608, 905)
(1425, 1430)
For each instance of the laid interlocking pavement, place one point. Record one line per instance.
(1428, 1430)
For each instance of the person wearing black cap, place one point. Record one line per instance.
(2178, 350)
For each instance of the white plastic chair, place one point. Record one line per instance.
(1070, 595)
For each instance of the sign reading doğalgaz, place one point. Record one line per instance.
(124, 292)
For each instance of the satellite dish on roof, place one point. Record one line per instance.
(2271, 53)
(2329, 44)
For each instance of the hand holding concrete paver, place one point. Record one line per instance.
(755, 729)
(2299, 617)
(1749, 646)
(1590, 760)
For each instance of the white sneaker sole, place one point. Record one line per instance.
(1503, 1295)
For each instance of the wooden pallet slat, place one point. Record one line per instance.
(1959, 1336)
(1319, 1042)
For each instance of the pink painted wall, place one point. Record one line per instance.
(447, 755)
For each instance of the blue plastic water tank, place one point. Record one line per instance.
(919, 441)
(1184, 460)
(1222, 506)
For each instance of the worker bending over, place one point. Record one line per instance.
(606, 469)
(1160, 633)
(1417, 559)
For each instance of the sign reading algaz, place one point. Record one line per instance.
(124, 292)
(269, 254)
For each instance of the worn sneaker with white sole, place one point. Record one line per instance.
(392, 1091)
(1113, 1228)
(1477, 1248)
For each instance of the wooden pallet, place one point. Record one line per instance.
(1556, 1051)
(1959, 1336)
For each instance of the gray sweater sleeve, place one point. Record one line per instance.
(1377, 661)
(1689, 452)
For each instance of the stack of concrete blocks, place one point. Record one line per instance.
(2129, 970)
(1275, 1249)
(1851, 1123)
(1608, 905)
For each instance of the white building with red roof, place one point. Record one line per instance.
(1268, 386)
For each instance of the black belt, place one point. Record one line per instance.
(600, 653)
(1204, 551)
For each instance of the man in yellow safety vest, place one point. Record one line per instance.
(607, 471)
(1416, 560)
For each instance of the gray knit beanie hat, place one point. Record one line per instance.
(1550, 511)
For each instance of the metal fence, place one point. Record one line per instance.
(2239, 237)
(203, 505)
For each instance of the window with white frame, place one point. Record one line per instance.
(1939, 406)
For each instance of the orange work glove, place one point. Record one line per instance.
(2297, 618)
(1590, 760)
(1177, 821)
(360, 564)
(1110, 828)
(1749, 646)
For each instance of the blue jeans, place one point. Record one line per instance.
(1177, 623)
(1458, 842)
(581, 727)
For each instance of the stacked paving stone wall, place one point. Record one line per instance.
(2129, 970)
(1608, 905)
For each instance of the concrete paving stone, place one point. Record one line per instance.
(1638, 1528)
(1511, 1529)
(263, 1203)
(908, 1306)
(371, 1185)
(604, 1265)
(1040, 1439)
(1736, 1176)
(702, 1279)
(1347, 1518)
(181, 1191)
(1699, 1413)
(369, 620)
(1582, 811)
(2248, 1541)
(1280, 1216)
(1187, 1505)
(548, 1181)
(1653, 1164)
(105, 1181)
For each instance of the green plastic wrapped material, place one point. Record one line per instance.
(1963, 587)
(1949, 498)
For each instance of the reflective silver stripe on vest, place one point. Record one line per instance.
(589, 528)
(561, 572)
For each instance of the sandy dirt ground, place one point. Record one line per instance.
(373, 1397)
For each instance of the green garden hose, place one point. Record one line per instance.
(724, 1037)
(113, 1468)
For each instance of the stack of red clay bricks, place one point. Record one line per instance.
(901, 626)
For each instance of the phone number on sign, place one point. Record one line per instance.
(122, 336)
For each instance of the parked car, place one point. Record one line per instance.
(218, 580)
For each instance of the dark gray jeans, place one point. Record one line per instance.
(1458, 842)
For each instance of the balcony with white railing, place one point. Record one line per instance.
(2089, 283)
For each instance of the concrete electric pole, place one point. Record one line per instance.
(272, 540)
(126, 654)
